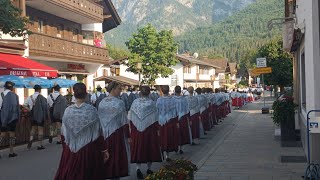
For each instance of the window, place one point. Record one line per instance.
(60, 29)
(40, 26)
(75, 33)
(204, 71)
(187, 69)
(303, 81)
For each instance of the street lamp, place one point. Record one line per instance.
(139, 67)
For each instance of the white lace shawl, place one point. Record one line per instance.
(143, 113)
(112, 114)
(80, 126)
(182, 106)
(193, 105)
(166, 109)
(202, 102)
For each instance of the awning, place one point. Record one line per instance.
(120, 79)
(20, 66)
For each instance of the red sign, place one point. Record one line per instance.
(30, 73)
(76, 67)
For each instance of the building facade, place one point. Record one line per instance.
(301, 38)
(68, 35)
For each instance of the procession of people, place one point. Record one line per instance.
(102, 136)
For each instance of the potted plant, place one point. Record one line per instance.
(169, 174)
(283, 116)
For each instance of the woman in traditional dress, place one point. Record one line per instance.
(183, 117)
(168, 120)
(83, 154)
(194, 116)
(144, 126)
(113, 119)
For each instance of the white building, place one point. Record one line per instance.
(301, 37)
(189, 71)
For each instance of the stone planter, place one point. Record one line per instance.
(287, 127)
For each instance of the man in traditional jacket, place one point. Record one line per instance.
(144, 126)
(57, 105)
(168, 120)
(10, 114)
(183, 117)
(37, 104)
(97, 97)
(194, 118)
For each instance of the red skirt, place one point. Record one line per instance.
(184, 130)
(169, 136)
(86, 164)
(117, 166)
(145, 146)
(214, 114)
(205, 120)
(195, 126)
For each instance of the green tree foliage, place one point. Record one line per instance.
(280, 62)
(11, 21)
(236, 35)
(155, 50)
(117, 53)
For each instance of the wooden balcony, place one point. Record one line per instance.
(79, 11)
(48, 46)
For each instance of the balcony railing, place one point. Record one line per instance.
(48, 46)
(80, 11)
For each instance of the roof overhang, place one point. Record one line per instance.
(110, 15)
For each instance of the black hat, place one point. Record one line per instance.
(9, 84)
(37, 87)
(56, 87)
(98, 88)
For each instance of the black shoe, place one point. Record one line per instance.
(205, 133)
(29, 144)
(59, 142)
(40, 147)
(181, 152)
(139, 174)
(50, 139)
(149, 172)
(168, 159)
(13, 155)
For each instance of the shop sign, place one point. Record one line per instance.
(76, 67)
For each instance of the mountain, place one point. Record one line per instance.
(237, 34)
(178, 15)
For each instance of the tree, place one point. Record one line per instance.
(11, 21)
(280, 62)
(117, 53)
(154, 50)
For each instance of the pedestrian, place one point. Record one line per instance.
(194, 118)
(144, 126)
(37, 104)
(10, 114)
(97, 97)
(83, 154)
(168, 120)
(204, 126)
(113, 119)
(57, 105)
(182, 109)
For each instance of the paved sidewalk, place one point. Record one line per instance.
(250, 151)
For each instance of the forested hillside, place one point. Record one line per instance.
(176, 15)
(237, 34)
